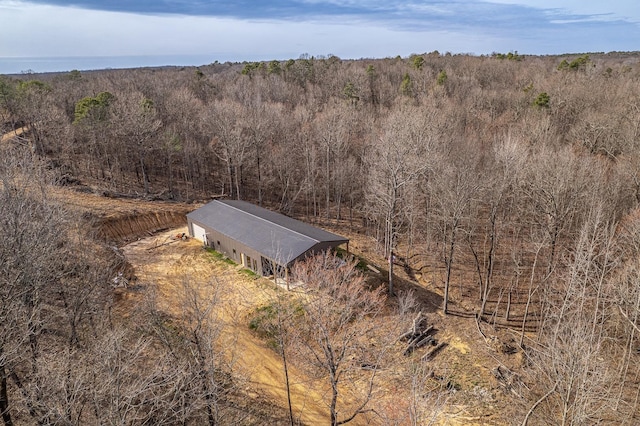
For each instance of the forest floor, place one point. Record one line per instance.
(464, 387)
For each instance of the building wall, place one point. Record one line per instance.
(233, 249)
(241, 254)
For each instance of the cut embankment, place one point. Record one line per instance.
(127, 227)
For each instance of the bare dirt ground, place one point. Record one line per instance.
(470, 359)
(163, 262)
(466, 365)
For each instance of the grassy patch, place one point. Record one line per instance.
(249, 273)
(265, 323)
(219, 256)
(262, 321)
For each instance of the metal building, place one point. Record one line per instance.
(259, 239)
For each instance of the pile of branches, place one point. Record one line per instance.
(420, 335)
(508, 380)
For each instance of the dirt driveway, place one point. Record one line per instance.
(163, 261)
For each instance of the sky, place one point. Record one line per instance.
(61, 35)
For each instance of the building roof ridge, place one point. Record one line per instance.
(269, 221)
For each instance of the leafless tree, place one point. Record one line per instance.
(396, 161)
(454, 187)
(334, 128)
(181, 141)
(339, 319)
(260, 121)
(496, 192)
(195, 343)
(578, 387)
(34, 227)
(136, 121)
(275, 322)
(221, 121)
(52, 297)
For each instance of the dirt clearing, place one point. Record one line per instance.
(164, 262)
(464, 366)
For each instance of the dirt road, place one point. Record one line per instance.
(164, 262)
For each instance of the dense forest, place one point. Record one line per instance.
(508, 183)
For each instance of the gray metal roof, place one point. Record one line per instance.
(272, 234)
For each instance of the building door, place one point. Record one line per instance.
(199, 233)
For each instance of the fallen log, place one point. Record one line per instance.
(416, 328)
(427, 330)
(161, 245)
(373, 269)
(409, 350)
(433, 352)
(414, 337)
(424, 341)
(417, 343)
(407, 336)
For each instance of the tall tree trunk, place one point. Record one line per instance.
(259, 178)
(334, 399)
(238, 178)
(169, 174)
(204, 375)
(492, 249)
(526, 308)
(338, 202)
(144, 173)
(554, 244)
(391, 273)
(449, 262)
(4, 396)
(328, 183)
(283, 354)
(230, 173)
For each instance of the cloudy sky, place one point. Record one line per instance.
(58, 35)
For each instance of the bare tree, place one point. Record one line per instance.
(334, 127)
(496, 193)
(578, 388)
(195, 343)
(30, 266)
(183, 132)
(396, 161)
(273, 321)
(339, 319)
(32, 95)
(136, 121)
(260, 122)
(556, 187)
(53, 297)
(454, 187)
(222, 121)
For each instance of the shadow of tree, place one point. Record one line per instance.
(427, 300)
